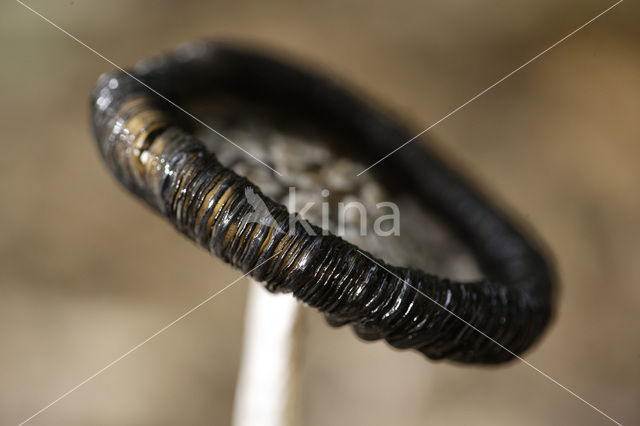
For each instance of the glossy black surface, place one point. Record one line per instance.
(146, 144)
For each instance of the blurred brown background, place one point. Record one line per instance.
(86, 272)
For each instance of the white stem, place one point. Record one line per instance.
(267, 382)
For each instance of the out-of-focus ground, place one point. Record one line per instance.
(86, 272)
